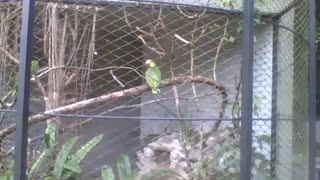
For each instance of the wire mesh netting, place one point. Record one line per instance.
(93, 114)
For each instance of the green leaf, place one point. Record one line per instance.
(63, 155)
(39, 161)
(50, 178)
(239, 29)
(227, 2)
(47, 140)
(72, 166)
(158, 173)
(6, 177)
(71, 175)
(124, 167)
(50, 135)
(231, 39)
(84, 150)
(107, 173)
(13, 93)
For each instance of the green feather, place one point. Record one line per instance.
(153, 77)
(34, 67)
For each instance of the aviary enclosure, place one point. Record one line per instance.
(236, 98)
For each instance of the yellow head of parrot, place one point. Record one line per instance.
(150, 63)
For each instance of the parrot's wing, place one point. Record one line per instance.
(157, 75)
(34, 66)
(153, 77)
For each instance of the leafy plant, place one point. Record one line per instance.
(107, 173)
(224, 163)
(66, 165)
(6, 167)
(125, 171)
(158, 173)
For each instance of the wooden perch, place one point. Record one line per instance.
(135, 91)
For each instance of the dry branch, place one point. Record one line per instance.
(218, 50)
(10, 56)
(117, 95)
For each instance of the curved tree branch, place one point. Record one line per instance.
(135, 91)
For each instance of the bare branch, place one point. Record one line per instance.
(191, 16)
(192, 57)
(70, 79)
(47, 70)
(181, 39)
(10, 56)
(218, 50)
(135, 91)
(235, 104)
(150, 47)
(43, 91)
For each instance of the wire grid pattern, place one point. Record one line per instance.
(96, 55)
(282, 139)
(10, 30)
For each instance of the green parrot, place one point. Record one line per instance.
(34, 67)
(153, 76)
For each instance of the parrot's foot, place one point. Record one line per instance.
(155, 91)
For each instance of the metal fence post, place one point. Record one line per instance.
(247, 90)
(20, 164)
(312, 102)
(274, 115)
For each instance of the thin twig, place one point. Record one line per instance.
(151, 34)
(192, 57)
(116, 79)
(235, 103)
(42, 89)
(181, 39)
(10, 56)
(11, 150)
(196, 15)
(47, 70)
(218, 50)
(2, 117)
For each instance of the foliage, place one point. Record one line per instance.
(6, 167)
(34, 69)
(66, 165)
(224, 164)
(125, 171)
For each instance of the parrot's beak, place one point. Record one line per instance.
(148, 62)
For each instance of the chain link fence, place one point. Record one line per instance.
(94, 116)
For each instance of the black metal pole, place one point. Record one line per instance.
(274, 115)
(247, 90)
(20, 164)
(312, 102)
